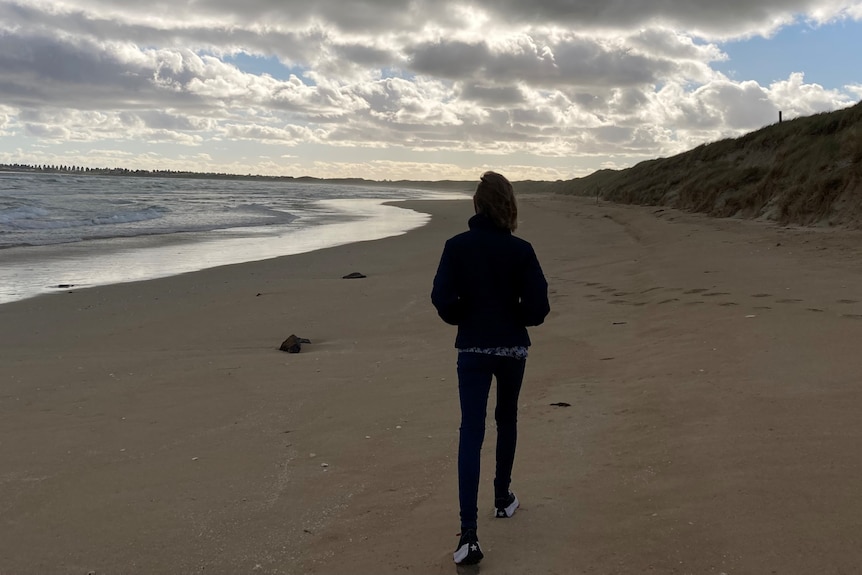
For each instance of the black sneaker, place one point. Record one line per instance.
(468, 551)
(506, 506)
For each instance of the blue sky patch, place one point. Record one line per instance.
(824, 54)
(266, 65)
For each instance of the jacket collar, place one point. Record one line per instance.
(483, 222)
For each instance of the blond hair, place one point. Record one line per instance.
(495, 198)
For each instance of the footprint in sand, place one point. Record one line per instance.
(815, 309)
(651, 289)
(761, 295)
(617, 301)
(715, 293)
(852, 315)
(673, 299)
(697, 290)
(728, 303)
(848, 301)
(694, 302)
(762, 307)
(788, 300)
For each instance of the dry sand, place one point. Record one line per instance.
(712, 367)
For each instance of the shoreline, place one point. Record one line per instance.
(94, 263)
(710, 369)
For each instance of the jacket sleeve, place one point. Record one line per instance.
(444, 294)
(534, 305)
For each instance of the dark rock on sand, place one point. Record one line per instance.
(293, 344)
(353, 276)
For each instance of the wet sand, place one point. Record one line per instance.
(711, 367)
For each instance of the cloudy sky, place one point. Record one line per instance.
(415, 89)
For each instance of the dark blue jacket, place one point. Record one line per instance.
(490, 284)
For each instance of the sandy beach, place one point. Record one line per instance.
(711, 367)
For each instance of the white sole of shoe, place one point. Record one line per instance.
(461, 554)
(510, 510)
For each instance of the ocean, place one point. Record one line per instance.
(59, 231)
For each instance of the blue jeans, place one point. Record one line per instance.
(475, 371)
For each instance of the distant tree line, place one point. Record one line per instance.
(44, 168)
(82, 170)
(62, 169)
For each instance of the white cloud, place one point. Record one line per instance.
(6, 120)
(47, 132)
(530, 83)
(797, 98)
(286, 135)
(737, 106)
(729, 18)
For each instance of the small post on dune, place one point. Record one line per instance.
(779, 116)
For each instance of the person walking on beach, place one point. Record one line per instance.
(489, 283)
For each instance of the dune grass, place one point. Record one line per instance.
(804, 171)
